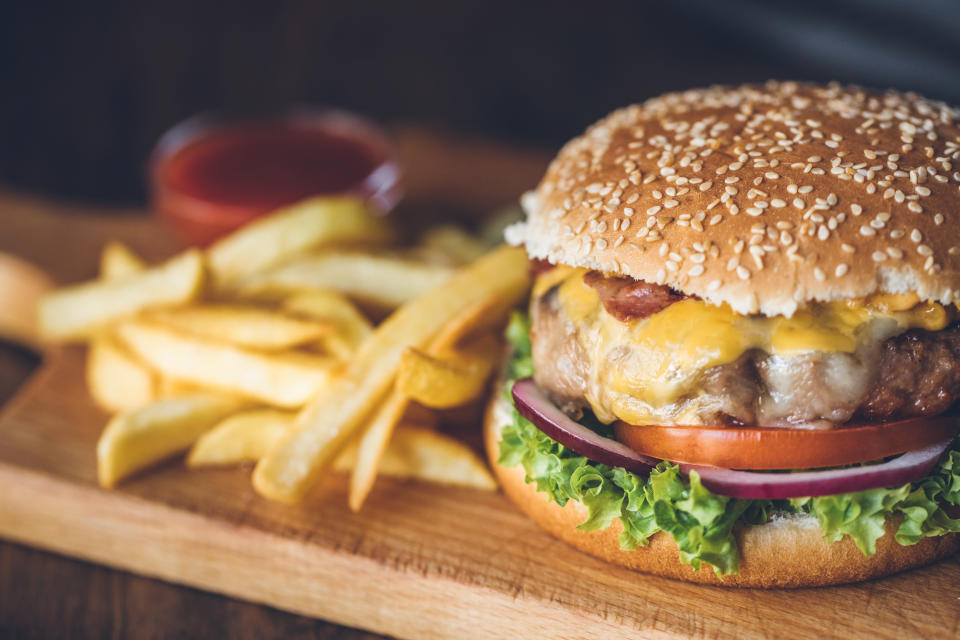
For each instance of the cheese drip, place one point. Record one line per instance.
(670, 350)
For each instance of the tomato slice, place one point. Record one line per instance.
(785, 448)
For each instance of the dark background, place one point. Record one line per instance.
(86, 87)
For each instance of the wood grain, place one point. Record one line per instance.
(49, 596)
(419, 561)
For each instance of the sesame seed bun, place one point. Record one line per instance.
(764, 197)
(787, 552)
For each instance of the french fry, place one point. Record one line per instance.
(352, 327)
(451, 378)
(382, 281)
(413, 452)
(243, 326)
(116, 379)
(454, 243)
(372, 446)
(168, 387)
(22, 287)
(118, 261)
(425, 454)
(336, 414)
(290, 232)
(242, 437)
(138, 439)
(375, 438)
(286, 380)
(81, 310)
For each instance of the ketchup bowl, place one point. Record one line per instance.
(211, 174)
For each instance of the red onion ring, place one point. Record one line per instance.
(534, 405)
(538, 409)
(901, 470)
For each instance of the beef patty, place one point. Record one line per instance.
(915, 373)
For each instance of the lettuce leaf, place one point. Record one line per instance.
(703, 523)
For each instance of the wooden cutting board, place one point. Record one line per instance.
(420, 561)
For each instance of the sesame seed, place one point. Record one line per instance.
(696, 270)
(798, 203)
(841, 270)
(924, 250)
(856, 209)
(818, 274)
(653, 210)
(878, 256)
(867, 231)
(670, 204)
(915, 235)
(922, 191)
(714, 285)
(915, 207)
(743, 273)
(847, 248)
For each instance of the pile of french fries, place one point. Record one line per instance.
(261, 349)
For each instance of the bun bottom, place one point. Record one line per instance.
(787, 552)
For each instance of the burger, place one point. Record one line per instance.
(742, 352)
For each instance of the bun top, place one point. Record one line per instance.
(764, 197)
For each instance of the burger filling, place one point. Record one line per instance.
(645, 354)
(555, 349)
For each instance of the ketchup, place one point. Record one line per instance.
(209, 179)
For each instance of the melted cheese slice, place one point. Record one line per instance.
(668, 351)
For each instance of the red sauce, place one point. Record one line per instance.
(211, 179)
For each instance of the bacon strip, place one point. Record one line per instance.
(628, 299)
(537, 266)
